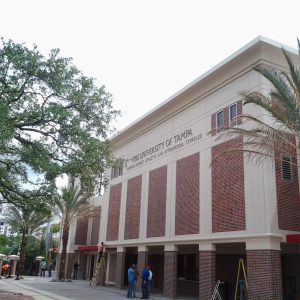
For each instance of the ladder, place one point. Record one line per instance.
(216, 295)
(100, 268)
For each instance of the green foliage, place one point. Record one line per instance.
(53, 120)
(30, 219)
(70, 204)
(55, 227)
(9, 244)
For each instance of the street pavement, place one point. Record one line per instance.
(41, 288)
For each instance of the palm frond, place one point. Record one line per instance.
(260, 139)
(295, 75)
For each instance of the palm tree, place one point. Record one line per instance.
(282, 103)
(70, 205)
(27, 222)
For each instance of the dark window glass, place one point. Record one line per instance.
(232, 115)
(121, 168)
(220, 120)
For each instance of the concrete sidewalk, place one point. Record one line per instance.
(41, 288)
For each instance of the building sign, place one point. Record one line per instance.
(162, 148)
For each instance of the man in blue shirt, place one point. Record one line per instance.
(145, 283)
(131, 281)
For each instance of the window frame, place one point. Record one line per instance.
(233, 123)
(217, 123)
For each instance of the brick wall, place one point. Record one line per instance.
(96, 225)
(207, 281)
(81, 230)
(133, 205)
(114, 212)
(228, 197)
(288, 200)
(112, 267)
(120, 265)
(157, 202)
(170, 274)
(187, 195)
(264, 275)
(142, 261)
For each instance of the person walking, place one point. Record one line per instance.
(131, 281)
(43, 268)
(135, 281)
(75, 271)
(149, 279)
(145, 283)
(5, 269)
(50, 269)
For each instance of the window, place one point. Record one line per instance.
(232, 115)
(220, 120)
(121, 168)
(117, 169)
(1, 223)
(286, 168)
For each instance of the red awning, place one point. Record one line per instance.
(88, 248)
(293, 238)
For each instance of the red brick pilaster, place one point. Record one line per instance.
(264, 275)
(120, 265)
(170, 274)
(207, 273)
(141, 263)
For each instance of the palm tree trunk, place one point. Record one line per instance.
(23, 253)
(63, 256)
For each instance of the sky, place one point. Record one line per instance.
(144, 51)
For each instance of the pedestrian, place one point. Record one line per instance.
(145, 283)
(75, 270)
(43, 267)
(50, 269)
(135, 281)
(5, 269)
(149, 279)
(131, 281)
(100, 251)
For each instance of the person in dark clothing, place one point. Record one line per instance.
(50, 269)
(76, 265)
(145, 283)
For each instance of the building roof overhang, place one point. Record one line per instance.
(259, 50)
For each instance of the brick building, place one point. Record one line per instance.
(190, 220)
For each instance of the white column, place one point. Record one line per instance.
(122, 211)
(171, 200)
(205, 214)
(144, 206)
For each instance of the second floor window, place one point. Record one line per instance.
(220, 120)
(117, 169)
(232, 115)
